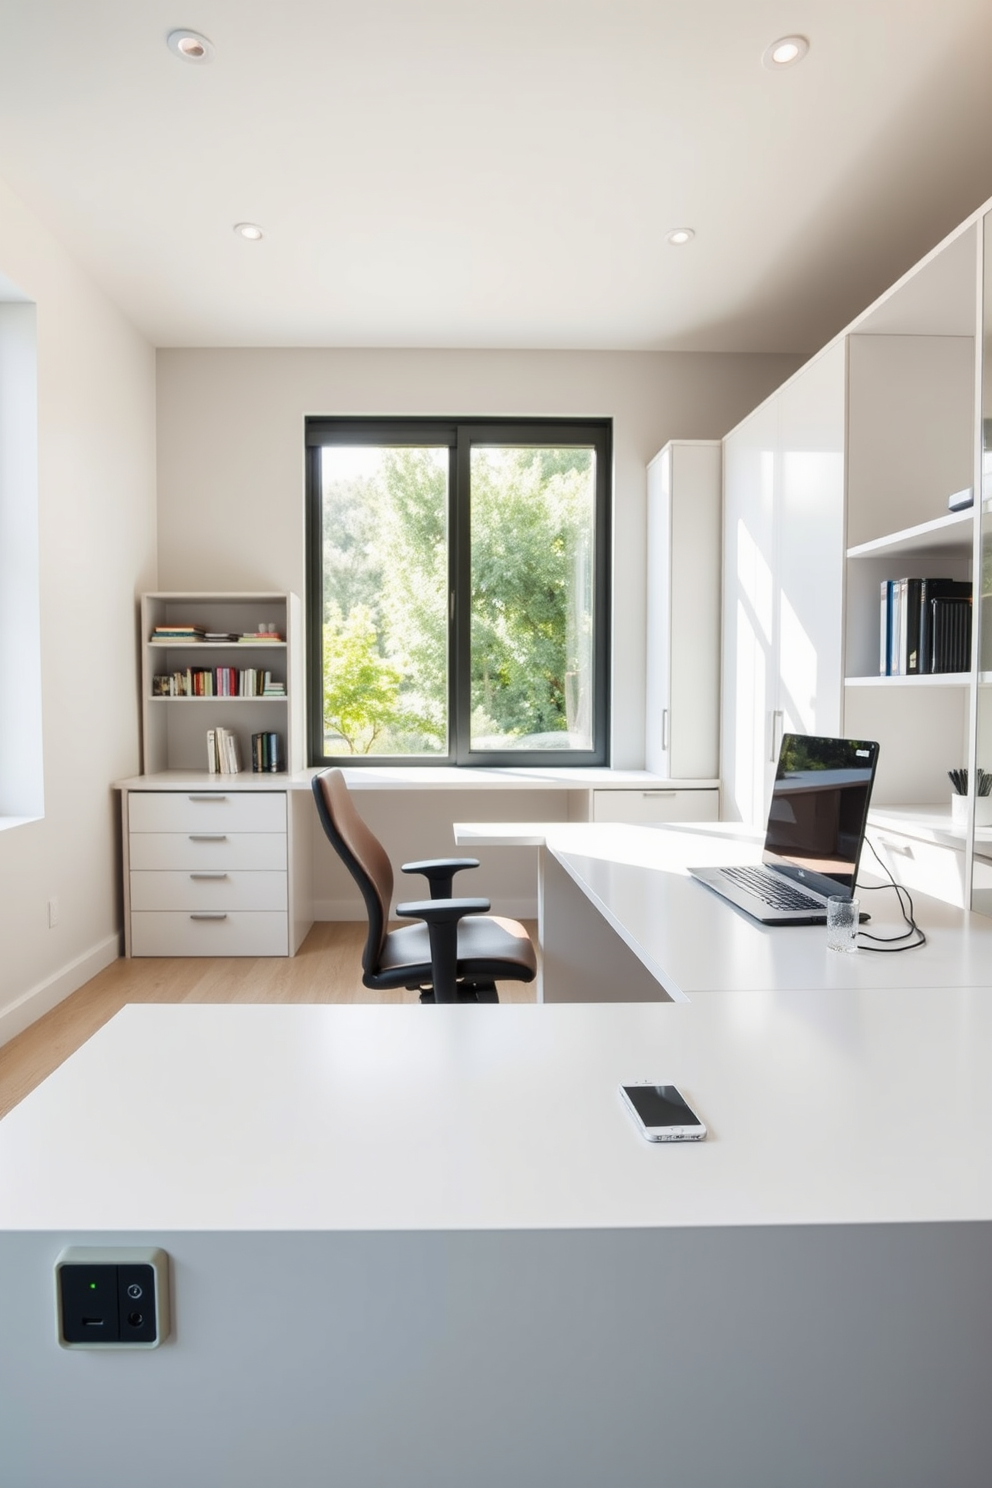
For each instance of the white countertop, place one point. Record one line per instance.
(418, 777)
(837, 1107)
(695, 943)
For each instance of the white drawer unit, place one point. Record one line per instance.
(658, 804)
(208, 873)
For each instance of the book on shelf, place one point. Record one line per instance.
(906, 647)
(262, 638)
(220, 635)
(214, 682)
(267, 753)
(223, 752)
(178, 633)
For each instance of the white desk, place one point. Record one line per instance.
(621, 919)
(427, 1245)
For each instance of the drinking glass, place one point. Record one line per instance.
(842, 923)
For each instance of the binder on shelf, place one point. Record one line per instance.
(931, 589)
(885, 630)
(907, 646)
(950, 646)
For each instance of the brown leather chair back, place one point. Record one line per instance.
(362, 854)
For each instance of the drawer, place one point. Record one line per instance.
(231, 934)
(655, 805)
(245, 850)
(931, 867)
(206, 889)
(207, 811)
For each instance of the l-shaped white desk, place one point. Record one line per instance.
(621, 919)
(427, 1244)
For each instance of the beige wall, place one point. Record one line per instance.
(96, 503)
(230, 452)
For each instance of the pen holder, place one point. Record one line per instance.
(959, 811)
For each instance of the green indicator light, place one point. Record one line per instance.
(92, 1286)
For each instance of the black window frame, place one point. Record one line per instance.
(459, 434)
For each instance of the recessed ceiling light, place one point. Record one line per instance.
(786, 51)
(190, 46)
(680, 235)
(249, 230)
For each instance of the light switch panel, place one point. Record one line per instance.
(112, 1297)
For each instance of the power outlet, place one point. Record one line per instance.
(112, 1298)
(53, 913)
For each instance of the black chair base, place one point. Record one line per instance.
(475, 991)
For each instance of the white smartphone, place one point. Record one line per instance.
(662, 1113)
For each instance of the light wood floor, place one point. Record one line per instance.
(327, 968)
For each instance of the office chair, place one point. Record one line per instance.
(458, 952)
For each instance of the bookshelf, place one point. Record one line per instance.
(174, 727)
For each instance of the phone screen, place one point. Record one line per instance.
(660, 1105)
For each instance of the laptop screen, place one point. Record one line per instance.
(818, 811)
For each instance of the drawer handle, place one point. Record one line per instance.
(208, 875)
(657, 795)
(896, 847)
(208, 836)
(205, 915)
(206, 798)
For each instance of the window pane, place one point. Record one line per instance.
(532, 532)
(384, 634)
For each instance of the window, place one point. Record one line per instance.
(458, 591)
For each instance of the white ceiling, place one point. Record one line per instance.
(497, 173)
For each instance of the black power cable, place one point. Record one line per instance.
(890, 943)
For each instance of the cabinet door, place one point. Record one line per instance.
(749, 455)
(783, 577)
(809, 563)
(683, 611)
(657, 702)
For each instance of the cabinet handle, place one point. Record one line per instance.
(208, 875)
(206, 798)
(655, 795)
(664, 728)
(208, 836)
(777, 717)
(205, 915)
(903, 849)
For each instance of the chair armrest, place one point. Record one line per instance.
(442, 917)
(440, 872)
(442, 911)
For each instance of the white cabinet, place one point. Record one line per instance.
(783, 576)
(683, 610)
(208, 873)
(838, 481)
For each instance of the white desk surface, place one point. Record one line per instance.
(693, 942)
(417, 777)
(839, 1107)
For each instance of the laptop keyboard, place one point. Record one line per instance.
(771, 889)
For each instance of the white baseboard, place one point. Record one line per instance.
(349, 909)
(30, 1006)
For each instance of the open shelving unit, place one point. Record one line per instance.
(174, 729)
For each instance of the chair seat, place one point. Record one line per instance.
(488, 946)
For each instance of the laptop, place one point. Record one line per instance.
(814, 837)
